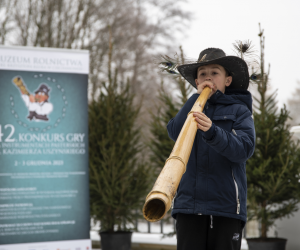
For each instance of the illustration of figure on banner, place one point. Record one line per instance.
(38, 105)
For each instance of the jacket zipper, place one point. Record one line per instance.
(237, 193)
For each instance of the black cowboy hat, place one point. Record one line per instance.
(43, 88)
(235, 66)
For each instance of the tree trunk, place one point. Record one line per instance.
(263, 230)
(264, 227)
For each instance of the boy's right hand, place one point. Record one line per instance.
(204, 84)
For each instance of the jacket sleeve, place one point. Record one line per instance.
(237, 145)
(175, 124)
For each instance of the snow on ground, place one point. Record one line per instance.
(155, 237)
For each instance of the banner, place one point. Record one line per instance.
(44, 182)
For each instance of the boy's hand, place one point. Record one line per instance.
(204, 123)
(202, 85)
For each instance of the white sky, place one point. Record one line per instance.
(218, 23)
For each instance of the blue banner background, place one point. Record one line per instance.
(44, 189)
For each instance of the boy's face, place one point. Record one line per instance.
(213, 73)
(41, 97)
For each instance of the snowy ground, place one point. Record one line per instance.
(155, 237)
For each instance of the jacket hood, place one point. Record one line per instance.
(232, 96)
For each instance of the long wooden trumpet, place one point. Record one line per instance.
(21, 85)
(159, 200)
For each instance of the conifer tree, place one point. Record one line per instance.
(161, 145)
(119, 179)
(273, 171)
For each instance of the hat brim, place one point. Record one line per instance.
(236, 66)
(40, 91)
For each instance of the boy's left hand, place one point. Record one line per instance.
(203, 122)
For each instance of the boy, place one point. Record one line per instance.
(210, 205)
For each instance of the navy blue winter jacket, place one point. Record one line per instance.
(215, 179)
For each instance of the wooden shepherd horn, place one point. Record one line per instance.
(159, 200)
